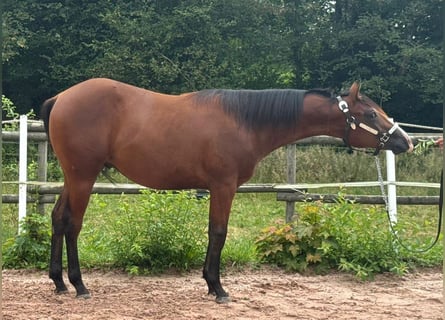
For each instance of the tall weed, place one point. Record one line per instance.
(30, 248)
(161, 230)
(334, 164)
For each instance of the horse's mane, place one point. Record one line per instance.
(259, 108)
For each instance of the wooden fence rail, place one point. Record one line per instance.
(47, 192)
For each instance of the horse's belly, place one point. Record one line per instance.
(159, 172)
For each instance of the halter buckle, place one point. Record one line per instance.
(343, 105)
(351, 121)
(385, 137)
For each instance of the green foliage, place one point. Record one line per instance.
(364, 242)
(346, 236)
(292, 247)
(10, 151)
(423, 145)
(178, 46)
(10, 110)
(30, 248)
(163, 230)
(239, 251)
(156, 231)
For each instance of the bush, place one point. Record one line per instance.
(295, 246)
(365, 244)
(30, 248)
(346, 236)
(164, 230)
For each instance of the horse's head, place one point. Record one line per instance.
(367, 125)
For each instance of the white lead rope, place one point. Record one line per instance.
(391, 225)
(380, 178)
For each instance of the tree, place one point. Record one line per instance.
(392, 47)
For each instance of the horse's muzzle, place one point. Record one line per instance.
(400, 142)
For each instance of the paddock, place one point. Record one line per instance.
(256, 294)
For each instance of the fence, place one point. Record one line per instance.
(42, 192)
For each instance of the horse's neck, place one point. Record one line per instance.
(320, 118)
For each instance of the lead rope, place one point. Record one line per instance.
(394, 232)
(382, 187)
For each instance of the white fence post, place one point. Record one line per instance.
(291, 150)
(23, 159)
(391, 179)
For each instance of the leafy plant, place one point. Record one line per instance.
(297, 245)
(164, 230)
(343, 235)
(9, 108)
(365, 244)
(10, 111)
(423, 146)
(10, 151)
(30, 248)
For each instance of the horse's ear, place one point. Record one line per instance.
(354, 91)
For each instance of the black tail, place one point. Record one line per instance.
(45, 111)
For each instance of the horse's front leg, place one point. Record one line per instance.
(220, 204)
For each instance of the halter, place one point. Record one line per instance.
(352, 123)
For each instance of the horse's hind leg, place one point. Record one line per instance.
(78, 200)
(67, 221)
(58, 231)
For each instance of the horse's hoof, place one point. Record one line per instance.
(223, 300)
(83, 296)
(57, 291)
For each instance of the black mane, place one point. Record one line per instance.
(258, 108)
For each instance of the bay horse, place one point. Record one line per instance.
(210, 139)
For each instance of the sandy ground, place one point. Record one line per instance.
(256, 294)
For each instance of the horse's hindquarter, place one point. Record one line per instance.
(80, 125)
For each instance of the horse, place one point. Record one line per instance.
(210, 139)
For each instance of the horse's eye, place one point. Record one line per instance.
(372, 114)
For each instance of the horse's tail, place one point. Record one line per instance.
(45, 111)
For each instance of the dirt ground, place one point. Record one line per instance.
(255, 294)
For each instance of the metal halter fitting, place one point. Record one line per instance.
(352, 123)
